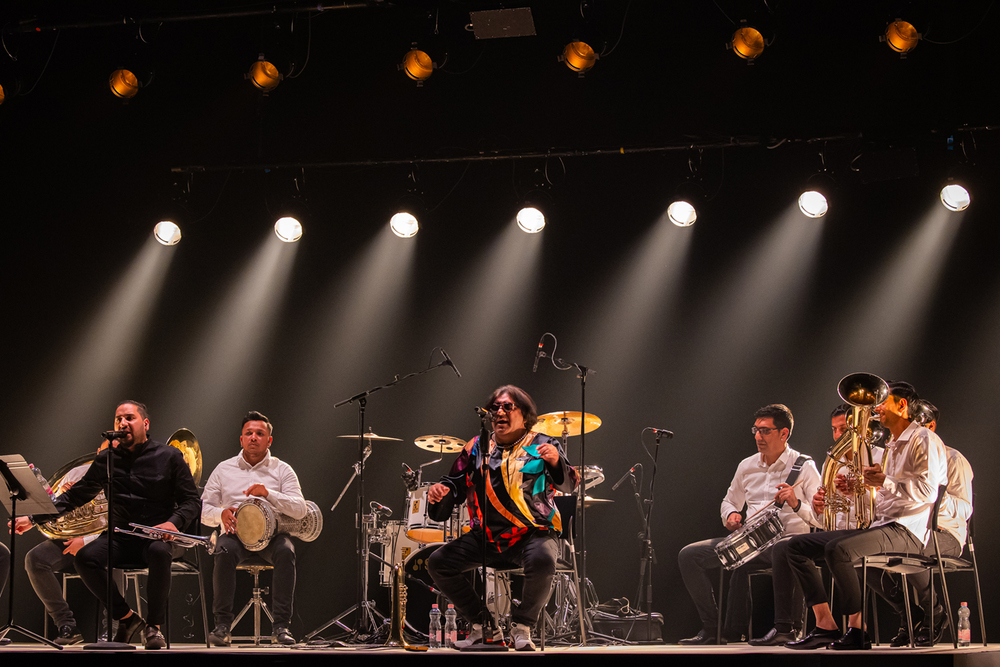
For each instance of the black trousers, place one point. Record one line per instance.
(890, 585)
(91, 564)
(280, 553)
(842, 549)
(536, 554)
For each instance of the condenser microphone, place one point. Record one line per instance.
(451, 363)
(538, 354)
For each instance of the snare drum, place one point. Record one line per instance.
(758, 534)
(419, 526)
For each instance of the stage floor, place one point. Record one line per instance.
(736, 654)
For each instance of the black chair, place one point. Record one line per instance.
(905, 564)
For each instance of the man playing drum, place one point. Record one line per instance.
(759, 480)
(253, 473)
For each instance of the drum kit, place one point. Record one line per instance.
(409, 542)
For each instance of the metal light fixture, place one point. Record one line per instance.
(264, 75)
(813, 204)
(404, 225)
(2, 94)
(747, 42)
(682, 213)
(579, 56)
(955, 197)
(530, 220)
(417, 65)
(123, 84)
(901, 36)
(288, 229)
(167, 232)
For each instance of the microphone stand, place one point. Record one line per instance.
(364, 622)
(648, 558)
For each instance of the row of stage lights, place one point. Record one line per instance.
(403, 224)
(531, 220)
(747, 42)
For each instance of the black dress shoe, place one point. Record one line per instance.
(818, 638)
(902, 638)
(703, 638)
(129, 628)
(220, 636)
(281, 635)
(773, 638)
(940, 623)
(69, 635)
(854, 640)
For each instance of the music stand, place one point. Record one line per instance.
(24, 489)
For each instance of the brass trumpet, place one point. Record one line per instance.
(853, 451)
(180, 539)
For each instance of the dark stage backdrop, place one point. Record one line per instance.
(688, 329)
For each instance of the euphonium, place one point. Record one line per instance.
(852, 452)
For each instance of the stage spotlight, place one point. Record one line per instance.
(123, 84)
(955, 197)
(2, 94)
(417, 65)
(288, 229)
(264, 74)
(531, 220)
(682, 213)
(747, 42)
(813, 204)
(901, 36)
(404, 225)
(167, 232)
(579, 56)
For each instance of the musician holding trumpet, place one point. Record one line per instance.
(253, 473)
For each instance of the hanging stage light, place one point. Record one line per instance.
(579, 56)
(530, 220)
(123, 84)
(901, 36)
(2, 95)
(813, 204)
(682, 213)
(747, 42)
(167, 232)
(288, 229)
(955, 197)
(264, 74)
(417, 65)
(404, 225)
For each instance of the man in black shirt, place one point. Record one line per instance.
(153, 486)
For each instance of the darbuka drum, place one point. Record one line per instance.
(760, 532)
(257, 522)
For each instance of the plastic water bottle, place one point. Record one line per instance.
(41, 479)
(450, 626)
(434, 630)
(964, 625)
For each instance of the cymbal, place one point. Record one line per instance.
(440, 443)
(371, 436)
(553, 423)
(588, 501)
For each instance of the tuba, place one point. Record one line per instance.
(853, 451)
(92, 517)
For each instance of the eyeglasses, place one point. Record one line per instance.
(506, 405)
(763, 430)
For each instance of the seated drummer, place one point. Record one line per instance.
(523, 524)
(759, 479)
(252, 473)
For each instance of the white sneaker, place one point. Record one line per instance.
(476, 637)
(521, 634)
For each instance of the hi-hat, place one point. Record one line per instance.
(440, 443)
(371, 436)
(554, 424)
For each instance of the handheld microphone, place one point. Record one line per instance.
(538, 354)
(451, 363)
(114, 435)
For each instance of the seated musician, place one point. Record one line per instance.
(153, 487)
(953, 526)
(759, 480)
(523, 524)
(252, 473)
(915, 464)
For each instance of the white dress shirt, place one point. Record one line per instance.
(234, 476)
(957, 506)
(755, 484)
(915, 465)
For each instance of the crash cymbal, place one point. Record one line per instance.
(553, 423)
(440, 443)
(371, 436)
(588, 501)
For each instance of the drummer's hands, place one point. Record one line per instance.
(437, 492)
(548, 453)
(22, 524)
(256, 490)
(229, 519)
(786, 494)
(73, 545)
(167, 525)
(733, 521)
(819, 500)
